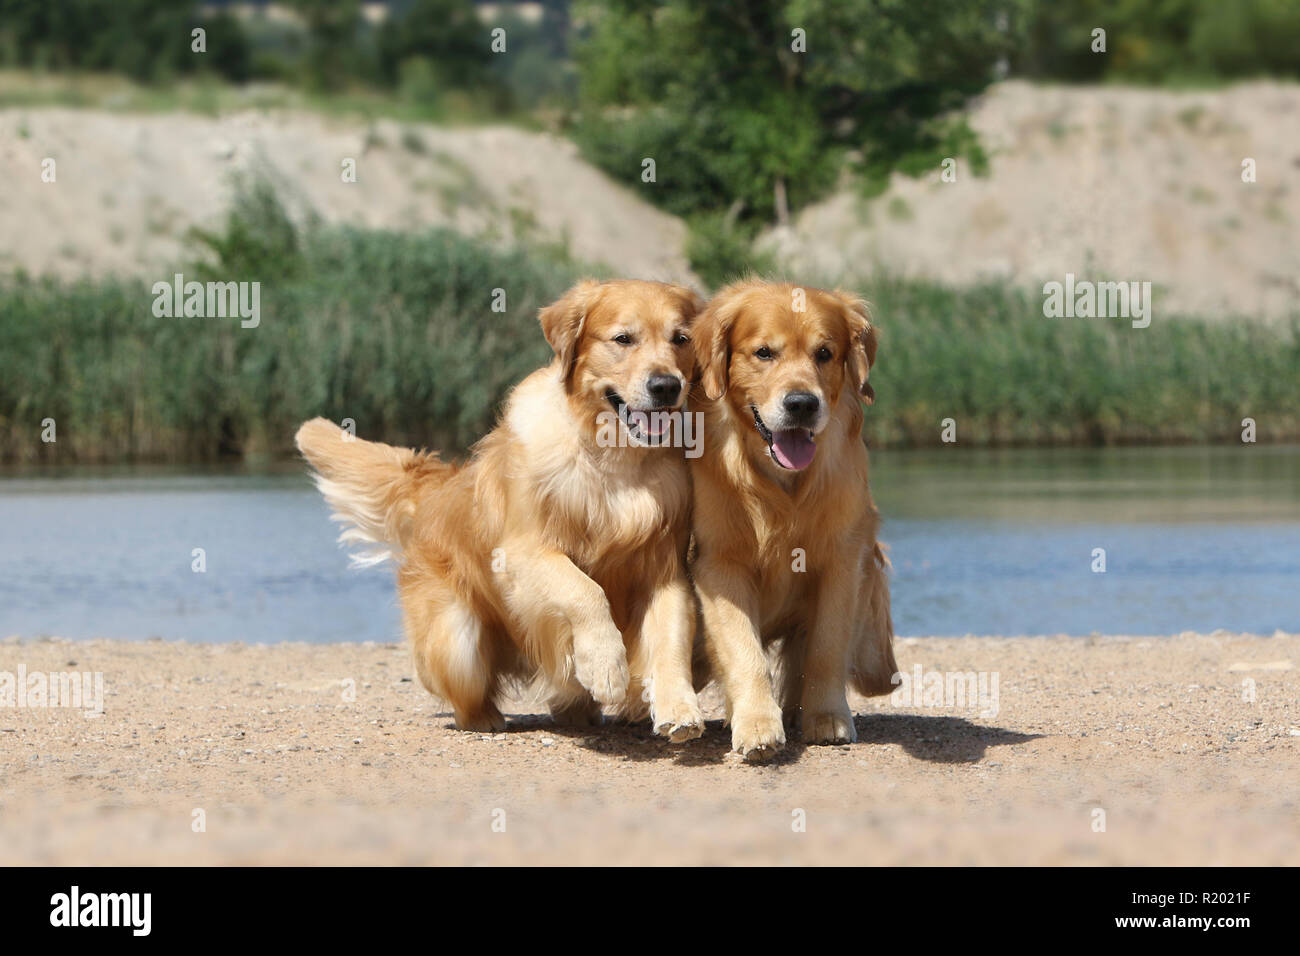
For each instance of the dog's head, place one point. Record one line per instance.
(780, 356)
(624, 346)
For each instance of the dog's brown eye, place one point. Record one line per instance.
(623, 338)
(681, 338)
(763, 353)
(823, 354)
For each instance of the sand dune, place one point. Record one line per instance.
(129, 185)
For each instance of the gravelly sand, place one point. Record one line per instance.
(1154, 731)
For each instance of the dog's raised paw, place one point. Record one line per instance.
(679, 733)
(684, 732)
(680, 722)
(602, 669)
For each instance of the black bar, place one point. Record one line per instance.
(333, 905)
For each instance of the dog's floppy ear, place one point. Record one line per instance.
(563, 321)
(712, 335)
(862, 343)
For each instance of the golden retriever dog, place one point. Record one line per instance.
(784, 526)
(557, 551)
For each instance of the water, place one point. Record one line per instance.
(1002, 542)
(982, 542)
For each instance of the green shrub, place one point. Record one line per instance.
(721, 251)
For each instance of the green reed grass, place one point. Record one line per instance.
(396, 331)
(988, 358)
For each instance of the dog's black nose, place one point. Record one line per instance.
(664, 389)
(801, 406)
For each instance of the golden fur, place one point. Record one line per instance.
(779, 554)
(548, 553)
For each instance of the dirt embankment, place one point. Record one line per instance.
(128, 186)
(1106, 183)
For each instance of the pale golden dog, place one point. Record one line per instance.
(784, 526)
(558, 550)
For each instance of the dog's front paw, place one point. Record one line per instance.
(757, 736)
(679, 720)
(829, 727)
(600, 664)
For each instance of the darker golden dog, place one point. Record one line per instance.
(558, 550)
(784, 525)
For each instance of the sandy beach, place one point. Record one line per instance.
(1103, 750)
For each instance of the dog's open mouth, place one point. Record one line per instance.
(643, 424)
(791, 448)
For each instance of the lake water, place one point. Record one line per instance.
(983, 542)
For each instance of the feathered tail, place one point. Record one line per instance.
(373, 488)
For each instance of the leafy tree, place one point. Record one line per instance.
(752, 106)
(446, 33)
(539, 72)
(332, 28)
(148, 40)
(229, 52)
(1165, 41)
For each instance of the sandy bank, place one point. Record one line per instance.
(1158, 733)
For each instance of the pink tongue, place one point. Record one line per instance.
(658, 422)
(793, 448)
(652, 423)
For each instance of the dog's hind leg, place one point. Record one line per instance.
(453, 662)
(872, 667)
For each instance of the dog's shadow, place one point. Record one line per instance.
(947, 740)
(936, 739)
